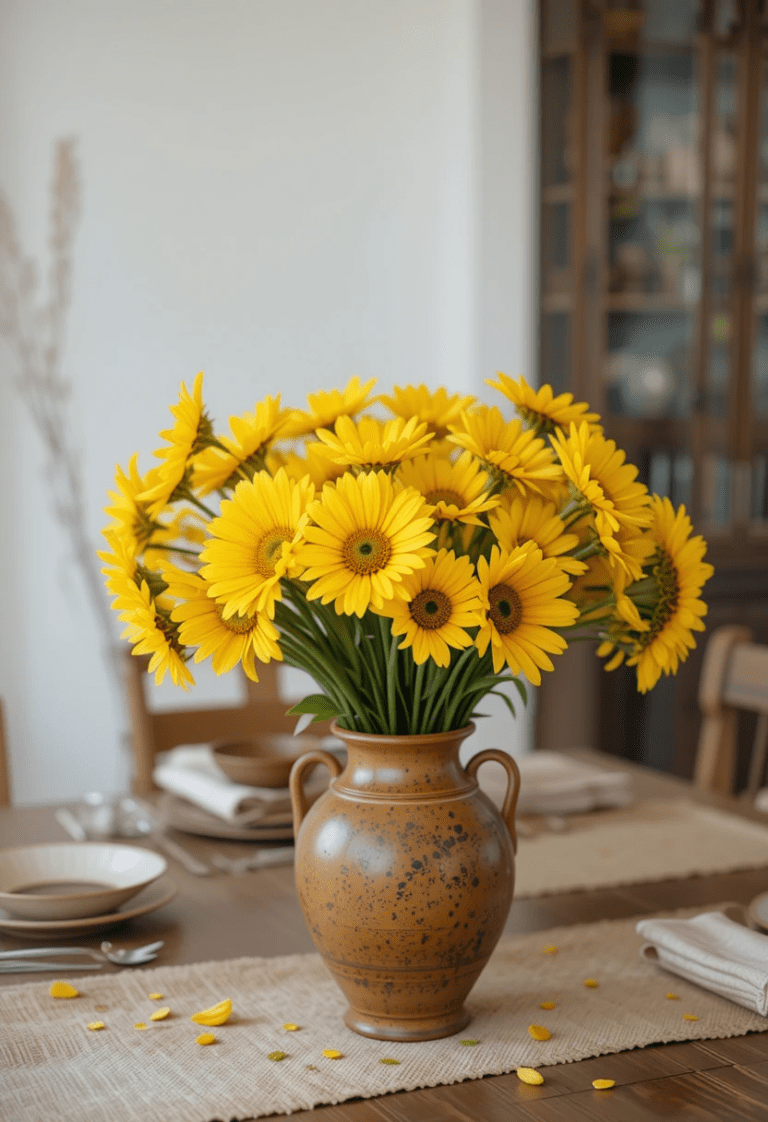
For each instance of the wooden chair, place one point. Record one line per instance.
(263, 712)
(5, 778)
(734, 676)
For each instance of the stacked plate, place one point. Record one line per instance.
(78, 888)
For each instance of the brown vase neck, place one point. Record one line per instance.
(403, 767)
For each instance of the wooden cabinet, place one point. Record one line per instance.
(654, 295)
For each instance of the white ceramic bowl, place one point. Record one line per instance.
(71, 880)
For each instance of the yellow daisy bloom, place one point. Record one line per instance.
(372, 444)
(606, 484)
(368, 533)
(119, 564)
(129, 512)
(252, 435)
(254, 543)
(442, 600)
(532, 519)
(325, 407)
(191, 433)
(679, 573)
(457, 491)
(512, 454)
(523, 591)
(540, 408)
(313, 463)
(437, 408)
(241, 638)
(152, 632)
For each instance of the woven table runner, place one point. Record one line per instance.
(648, 841)
(54, 1067)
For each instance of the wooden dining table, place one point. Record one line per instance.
(226, 916)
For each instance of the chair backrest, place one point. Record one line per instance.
(734, 676)
(5, 779)
(264, 712)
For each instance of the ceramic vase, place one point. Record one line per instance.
(405, 875)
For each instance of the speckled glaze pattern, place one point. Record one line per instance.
(405, 874)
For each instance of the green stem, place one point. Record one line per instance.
(416, 700)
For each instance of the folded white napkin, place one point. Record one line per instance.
(714, 951)
(554, 784)
(192, 772)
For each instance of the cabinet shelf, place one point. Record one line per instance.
(649, 303)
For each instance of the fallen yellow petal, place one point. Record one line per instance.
(216, 1015)
(160, 1014)
(62, 989)
(603, 1084)
(388, 1060)
(332, 1054)
(538, 1032)
(205, 1038)
(591, 984)
(672, 996)
(139, 1025)
(94, 1026)
(469, 1043)
(155, 996)
(530, 1075)
(549, 949)
(547, 1005)
(690, 1017)
(291, 1027)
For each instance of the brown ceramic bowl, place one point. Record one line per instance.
(265, 761)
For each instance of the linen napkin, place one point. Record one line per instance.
(192, 772)
(714, 951)
(551, 783)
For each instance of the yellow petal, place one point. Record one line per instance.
(549, 949)
(62, 989)
(155, 996)
(205, 1038)
(591, 984)
(547, 1005)
(139, 1025)
(538, 1032)
(94, 1026)
(332, 1054)
(276, 1056)
(672, 996)
(216, 1015)
(690, 1017)
(290, 1027)
(160, 1014)
(603, 1084)
(530, 1075)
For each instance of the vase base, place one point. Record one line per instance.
(407, 1030)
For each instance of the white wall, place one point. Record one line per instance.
(281, 193)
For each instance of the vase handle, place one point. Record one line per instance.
(513, 785)
(299, 802)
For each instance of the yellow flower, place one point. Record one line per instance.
(152, 632)
(368, 534)
(119, 563)
(457, 491)
(241, 638)
(679, 572)
(252, 434)
(442, 599)
(531, 519)
(371, 443)
(254, 543)
(522, 592)
(436, 408)
(191, 433)
(314, 464)
(515, 455)
(606, 485)
(131, 514)
(540, 408)
(325, 407)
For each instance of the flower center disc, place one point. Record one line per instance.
(430, 609)
(366, 551)
(267, 551)
(239, 624)
(445, 495)
(506, 609)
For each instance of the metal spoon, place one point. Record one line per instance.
(126, 956)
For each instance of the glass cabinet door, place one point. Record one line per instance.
(759, 365)
(558, 167)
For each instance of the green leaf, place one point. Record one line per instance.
(521, 690)
(317, 704)
(505, 699)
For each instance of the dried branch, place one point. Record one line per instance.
(34, 331)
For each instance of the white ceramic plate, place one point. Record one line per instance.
(154, 896)
(72, 880)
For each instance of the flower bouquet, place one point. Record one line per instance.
(412, 552)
